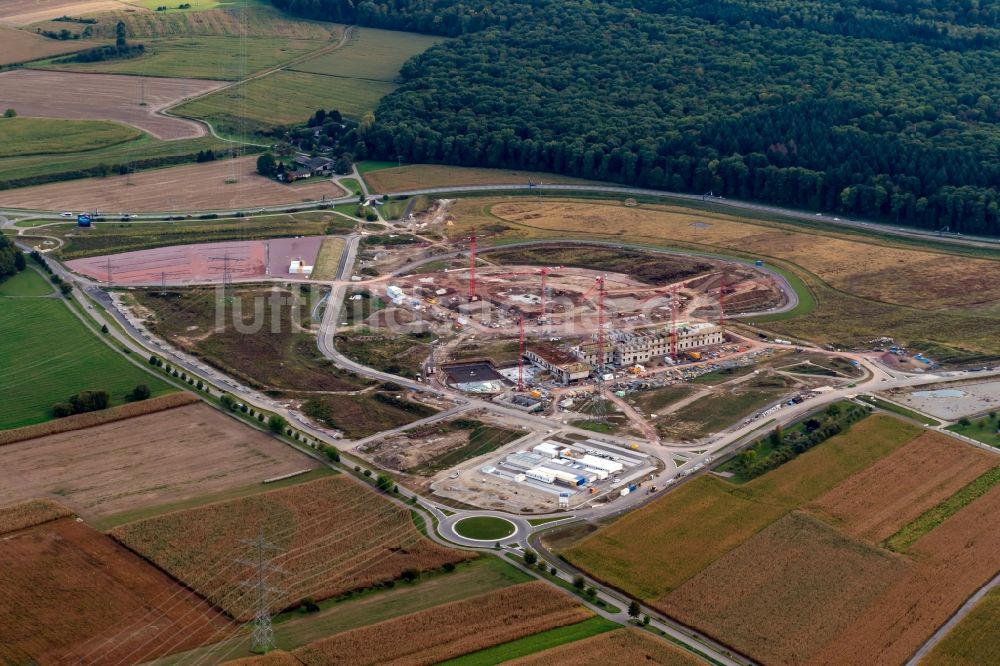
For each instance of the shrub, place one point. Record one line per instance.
(277, 424)
(140, 392)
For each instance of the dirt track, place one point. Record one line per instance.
(106, 469)
(190, 187)
(104, 97)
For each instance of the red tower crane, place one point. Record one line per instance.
(520, 357)
(600, 322)
(472, 265)
(722, 300)
(675, 305)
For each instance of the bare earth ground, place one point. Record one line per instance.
(66, 588)
(21, 45)
(876, 502)
(190, 187)
(23, 12)
(179, 264)
(106, 469)
(104, 97)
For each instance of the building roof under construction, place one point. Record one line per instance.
(553, 354)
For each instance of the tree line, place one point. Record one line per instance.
(875, 108)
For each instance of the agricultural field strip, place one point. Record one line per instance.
(451, 630)
(212, 570)
(967, 639)
(228, 560)
(622, 646)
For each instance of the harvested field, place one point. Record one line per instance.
(452, 630)
(876, 502)
(370, 54)
(421, 176)
(21, 46)
(261, 21)
(624, 646)
(204, 186)
(688, 529)
(23, 12)
(300, 94)
(91, 419)
(814, 583)
(220, 58)
(333, 535)
(948, 565)
(200, 263)
(104, 97)
(106, 469)
(72, 595)
(974, 640)
(35, 512)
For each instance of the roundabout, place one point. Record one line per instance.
(485, 528)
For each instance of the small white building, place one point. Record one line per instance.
(297, 267)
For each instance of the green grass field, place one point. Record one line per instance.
(985, 429)
(28, 284)
(352, 185)
(652, 551)
(145, 147)
(113, 237)
(875, 401)
(535, 643)
(485, 528)
(37, 136)
(974, 640)
(202, 57)
(371, 54)
(49, 355)
(285, 98)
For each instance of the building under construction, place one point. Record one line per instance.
(564, 366)
(628, 348)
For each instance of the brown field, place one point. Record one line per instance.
(873, 504)
(190, 187)
(948, 565)
(35, 512)
(104, 97)
(880, 272)
(22, 46)
(420, 176)
(91, 419)
(144, 461)
(689, 528)
(623, 646)
(451, 630)
(71, 595)
(262, 21)
(276, 658)
(23, 12)
(789, 591)
(199, 262)
(333, 535)
(974, 640)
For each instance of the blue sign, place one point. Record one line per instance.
(83, 220)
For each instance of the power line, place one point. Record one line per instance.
(263, 633)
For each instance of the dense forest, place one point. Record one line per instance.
(882, 108)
